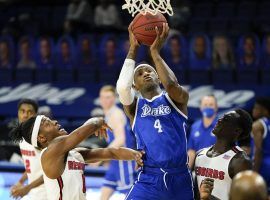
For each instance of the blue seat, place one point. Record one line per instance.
(197, 77)
(203, 10)
(44, 75)
(87, 75)
(246, 10)
(24, 75)
(225, 10)
(65, 76)
(222, 76)
(5, 76)
(265, 76)
(248, 76)
(197, 25)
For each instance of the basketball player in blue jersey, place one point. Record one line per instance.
(261, 137)
(121, 174)
(158, 120)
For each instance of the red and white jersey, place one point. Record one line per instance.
(216, 168)
(71, 184)
(31, 159)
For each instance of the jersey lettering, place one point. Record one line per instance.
(211, 173)
(159, 111)
(72, 165)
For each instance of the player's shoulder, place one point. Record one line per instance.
(202, 151)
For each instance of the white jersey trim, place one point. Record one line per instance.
(155, 97)
(175, 107)
(264, 127)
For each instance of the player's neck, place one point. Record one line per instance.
(222, 146)
(149, 94)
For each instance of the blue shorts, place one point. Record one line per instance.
(120, 176)
(162, 184)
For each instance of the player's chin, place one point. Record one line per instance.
(62, 132)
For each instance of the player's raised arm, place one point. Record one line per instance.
(166, 75)
(125, 80)
(257, 131)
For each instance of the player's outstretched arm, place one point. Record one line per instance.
(257, 131)
(125, 80)
(111, 153)
(53, 158)
(21, 190)
(166, 75)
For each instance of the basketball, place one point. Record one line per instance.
(143, 27)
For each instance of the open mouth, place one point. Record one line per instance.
(148, 78)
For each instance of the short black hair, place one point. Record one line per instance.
(245, 123)
(264, 102)
(23, 131)
(29, 101)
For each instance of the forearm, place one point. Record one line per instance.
(125, 80)
(36, 183)
(257, 160)
(165, 74)
(122, 153)
(80, 134)
(23, 178)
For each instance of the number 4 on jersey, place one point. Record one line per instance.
(158, 126)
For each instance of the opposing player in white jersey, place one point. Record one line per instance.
(63, 164)
(222, 161)
(28, 108)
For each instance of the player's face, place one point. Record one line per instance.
(85, 45)
(107, 99)
(25, 50)
(145, 77)
(227, 125)
(49, 129)
(258, 111)
(25, 112)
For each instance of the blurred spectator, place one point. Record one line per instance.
(65, 49)
(79, 16)
(201, 131)
(181, 14)
(108, 57)
(266, 52)
(106, 15)
(45, 53)
(85, 54)
(223, 56)
(5, 55)
(176, 52)
(261, 137)
(200, 52)
(45, 110)
(25, 54)
(248, 52)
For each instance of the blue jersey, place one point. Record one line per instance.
(159, 127)
(201, 136)
(130, 140)
(266, 137)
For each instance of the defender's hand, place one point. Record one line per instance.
(134, 44)
(160, 39)
(19, 191)
(206, 188)
(138, 157)
(102, 132)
